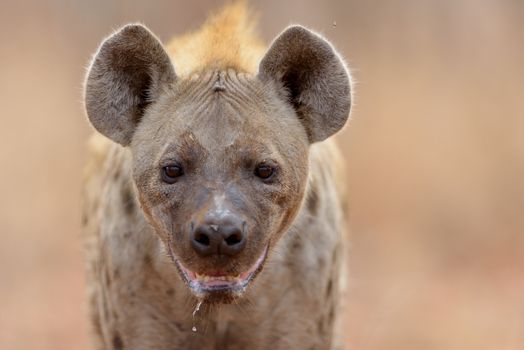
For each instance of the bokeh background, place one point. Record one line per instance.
(435, 151)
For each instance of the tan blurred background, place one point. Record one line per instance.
(435, 147)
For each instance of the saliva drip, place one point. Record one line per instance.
(197, 308)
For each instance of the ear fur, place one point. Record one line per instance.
(128, 72)
(315, 77)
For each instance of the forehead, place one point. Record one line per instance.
(219, 110)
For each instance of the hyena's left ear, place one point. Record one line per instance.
(129, 71)
(317, 80)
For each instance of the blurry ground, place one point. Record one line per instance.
(436, 154)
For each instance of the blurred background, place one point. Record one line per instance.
(435, 152)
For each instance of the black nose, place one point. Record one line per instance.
(225, 236)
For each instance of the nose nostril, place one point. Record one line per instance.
(202, 238)
(224, 239)
(234, 239)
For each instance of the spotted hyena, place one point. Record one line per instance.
(213, 207)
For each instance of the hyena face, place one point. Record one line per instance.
(220, 158)
(223, 178)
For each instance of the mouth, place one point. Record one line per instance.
(220, 285)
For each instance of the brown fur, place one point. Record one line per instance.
(218, 117)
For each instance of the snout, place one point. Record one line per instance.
(218, 257)
(224, 235)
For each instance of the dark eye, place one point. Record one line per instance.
(171, 172)
(264, 171)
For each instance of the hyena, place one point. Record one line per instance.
(213, 204)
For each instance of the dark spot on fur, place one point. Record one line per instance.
(321, 263)
(320, 325)
(331, 314)
(105, 308)
(335, 256)
(297, 243)
(128, 201)
(97, 327)
(118, 344)
(107, 278)
(170, 292)
(116, 174)
(312, 201)
(329, 287)
(147, 259)
(84, 219)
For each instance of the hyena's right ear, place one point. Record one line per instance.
(129, 71)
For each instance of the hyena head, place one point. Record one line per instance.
(220, 157)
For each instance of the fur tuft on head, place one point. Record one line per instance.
(227, 39)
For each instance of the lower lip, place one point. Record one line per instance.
(237, 286)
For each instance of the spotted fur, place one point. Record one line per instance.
(137, 299)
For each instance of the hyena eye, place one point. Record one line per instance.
(171, 172)
(264, 171)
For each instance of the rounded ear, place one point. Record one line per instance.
(315, 77)
(128, 72)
